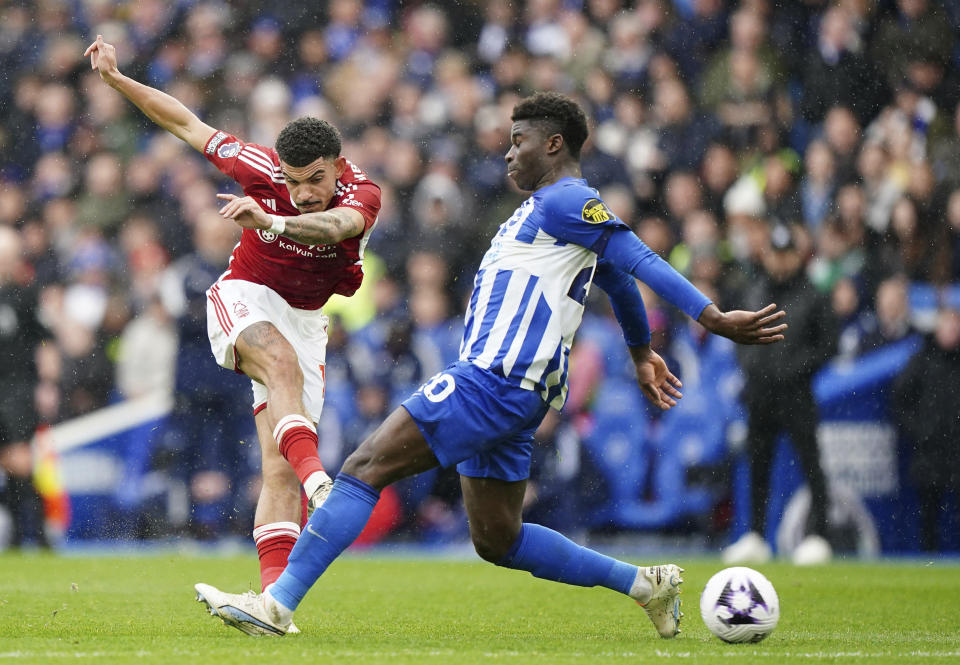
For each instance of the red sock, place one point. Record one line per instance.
(274, 542)
(303, 509)
(297, 440)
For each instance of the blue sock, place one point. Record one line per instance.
(546, 554)
(331, 529)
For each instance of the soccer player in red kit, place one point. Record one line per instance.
(312, 214)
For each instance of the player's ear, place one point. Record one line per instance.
(340, 163)
(554, 143)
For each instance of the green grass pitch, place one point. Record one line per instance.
(375, 609)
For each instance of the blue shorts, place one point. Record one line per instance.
(479, 421)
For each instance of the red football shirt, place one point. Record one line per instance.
(303, 275)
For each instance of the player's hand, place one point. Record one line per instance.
(245, 212)
(657, 382)
(745, 327)
(103, 57)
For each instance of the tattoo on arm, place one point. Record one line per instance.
(323, 228)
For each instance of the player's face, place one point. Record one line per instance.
(526, 158)
(312, 186)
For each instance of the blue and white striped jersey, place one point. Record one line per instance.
(528, 294)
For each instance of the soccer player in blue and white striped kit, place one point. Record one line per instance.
(480, 413)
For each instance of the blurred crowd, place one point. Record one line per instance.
(716, 126)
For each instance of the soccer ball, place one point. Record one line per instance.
(740, 605)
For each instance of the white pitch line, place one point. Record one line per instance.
(812, 655)
(686, 655)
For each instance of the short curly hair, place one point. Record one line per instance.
(559, 114)
(307, 139)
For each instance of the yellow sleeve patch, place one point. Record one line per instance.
(596, 211)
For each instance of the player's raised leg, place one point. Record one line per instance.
(267, 357)
(494, 509)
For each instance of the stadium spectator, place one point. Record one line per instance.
(893, 314)
(22, 336)
(147, 349)
(779, 398)
(693, 39)
(904, 126)
(818, 185)
(916, 29)
(781, 197)
(840, 252)
(841, 131)
(915, 243)
(718, 172)
(682, 196)
(866, 327)
(880, 183)
(931, 425)
(852, 319)
(838, 73)
(684, 133)
(698, 254)
(743, 81)
(207, 443)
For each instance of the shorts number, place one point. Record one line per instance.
(439, 387)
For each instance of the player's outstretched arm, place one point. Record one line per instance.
(745, 327)
(166, 111)
(314, 228)
(628, 253)
(656, 381)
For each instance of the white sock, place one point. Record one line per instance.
(641, 589)
(313, 481)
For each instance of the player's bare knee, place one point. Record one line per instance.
(492, 546)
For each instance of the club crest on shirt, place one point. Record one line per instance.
(596, 211)
(228, 150)
(267, 236)
(240, 310)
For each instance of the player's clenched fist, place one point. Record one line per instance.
(103, 57)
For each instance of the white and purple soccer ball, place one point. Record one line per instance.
(740, 605)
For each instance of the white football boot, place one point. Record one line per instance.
(252, 613)
(749, 548)
(663, 605)
(319, 496)
(813, 550)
